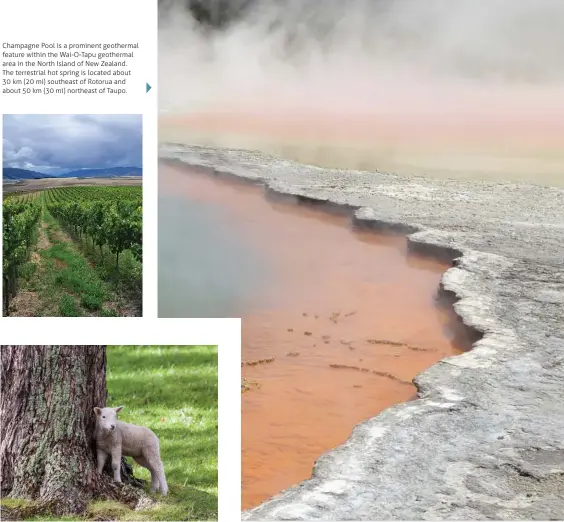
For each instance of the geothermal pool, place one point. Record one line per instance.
(336, 321)
(470, 132)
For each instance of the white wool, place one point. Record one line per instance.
(118, 439)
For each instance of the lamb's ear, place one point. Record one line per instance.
(97, 411)
(119, 408)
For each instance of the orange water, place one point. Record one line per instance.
(352, 299)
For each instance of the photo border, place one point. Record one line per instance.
(225, 333)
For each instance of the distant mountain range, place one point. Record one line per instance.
(17, 174)
(103, 173)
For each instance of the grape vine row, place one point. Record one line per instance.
(20, 215)
(108, 216)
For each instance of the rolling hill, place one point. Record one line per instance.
(14, 174)
(103, 173)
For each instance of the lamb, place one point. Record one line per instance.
(117, 438)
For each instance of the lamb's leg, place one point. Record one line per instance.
(156, 467)
(116, 463)
(142, 461)
(101, 458)
(162, 479)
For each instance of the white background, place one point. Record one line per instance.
(109, 21)
(125, 21)
(226, 333)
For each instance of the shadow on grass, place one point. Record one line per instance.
(193, 504)
(173, 391)
(167, 376)
(162, 391)
(182, 503)
(201, 447)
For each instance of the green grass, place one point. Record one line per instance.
(14, 502)
(68, 273)
(106, 510)
(173, 391)
(91, 302)
(28, 510)
(74, 279)
(67, 285)
(67, 307)
(27, 270)
(126, 281)
(54, 517)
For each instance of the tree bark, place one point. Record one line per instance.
(47, 398)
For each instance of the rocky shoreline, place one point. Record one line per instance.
(485, 440)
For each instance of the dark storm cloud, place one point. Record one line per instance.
(56, 144)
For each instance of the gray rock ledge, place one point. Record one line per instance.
(486, 438)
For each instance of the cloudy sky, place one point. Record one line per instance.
(56, 144)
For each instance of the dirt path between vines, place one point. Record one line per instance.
(60, 280)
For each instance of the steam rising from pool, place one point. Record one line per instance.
(427, 87)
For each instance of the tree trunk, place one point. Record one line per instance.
(48, 394)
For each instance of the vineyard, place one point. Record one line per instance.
(81, 246)
(20, 221)
(107, 215)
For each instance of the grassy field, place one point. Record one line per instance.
(173, 391)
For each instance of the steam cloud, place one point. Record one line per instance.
(393, 71)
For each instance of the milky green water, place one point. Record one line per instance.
(205, 270)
